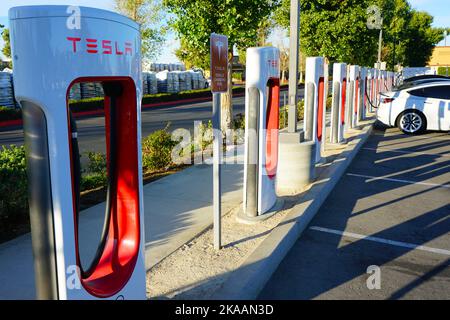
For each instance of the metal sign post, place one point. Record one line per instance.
(293, 64)
(219, 84)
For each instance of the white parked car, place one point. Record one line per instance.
(416, 109)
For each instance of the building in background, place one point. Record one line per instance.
(440, 59)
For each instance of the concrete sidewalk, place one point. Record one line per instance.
(390, 211)
(177, 208)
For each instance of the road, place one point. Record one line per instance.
(397, 192)
(91, 135)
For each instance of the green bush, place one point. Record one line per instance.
(237, 76)
(300, 110)
(205, 136)
(329, 102)
(93, 181)
(190, 94)
(442, 71)
(90, 104)
(157, 150)
(97, 163)
(284, 113)
(13, 182)
(239, 121)
(9, 114)
(95, 174)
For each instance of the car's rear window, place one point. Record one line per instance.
(437, 92)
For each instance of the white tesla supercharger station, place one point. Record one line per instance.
(51, 51)
(362, 95)
(391, 80)
(382, 81)
(262, 107)
(339, 101)
(315, 99)
(354, 96)
(371, 89)
(378, 86)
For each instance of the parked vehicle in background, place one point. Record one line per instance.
(207, 82)
(416, 109)
(415, 81)
(425, 77)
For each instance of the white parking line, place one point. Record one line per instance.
(407, 152)
(416, 137)
(381, 240)
(372, 178)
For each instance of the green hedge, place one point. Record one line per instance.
(94, 104)
(13, 183)
(157, 150)
(90, 104)
(442, 71)
(7, 114)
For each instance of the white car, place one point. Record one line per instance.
(416, 109)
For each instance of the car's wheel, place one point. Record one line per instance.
(412, 122)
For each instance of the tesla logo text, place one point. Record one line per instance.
(272, 63)
(101, 46)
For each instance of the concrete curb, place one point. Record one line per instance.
(18, 123)
(11, 124)
(247, 282)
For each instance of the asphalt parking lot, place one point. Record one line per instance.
(390, 213)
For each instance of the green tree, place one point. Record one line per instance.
(7, 46)
(338, 29)
(421, 39)
(194, 21)
(149, 14)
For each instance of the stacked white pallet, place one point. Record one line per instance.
(196, 80)
(150, 83)
(144, 82)
(185, 80)
(6, 90)
(176, 81)
(91, 90)
(188, 76)
(166, 82)
(75, 92)
(158, 67)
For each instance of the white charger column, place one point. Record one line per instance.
(314, 118)
(262, 105)
(338, 104)
(354, 96)
(48, 59)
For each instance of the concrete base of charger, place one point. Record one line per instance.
(296, 167)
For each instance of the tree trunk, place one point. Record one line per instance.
(226, 101)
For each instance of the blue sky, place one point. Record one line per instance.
(440, 9)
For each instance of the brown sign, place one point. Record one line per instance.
(219, 63)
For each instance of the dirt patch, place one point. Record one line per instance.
(196, 270)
